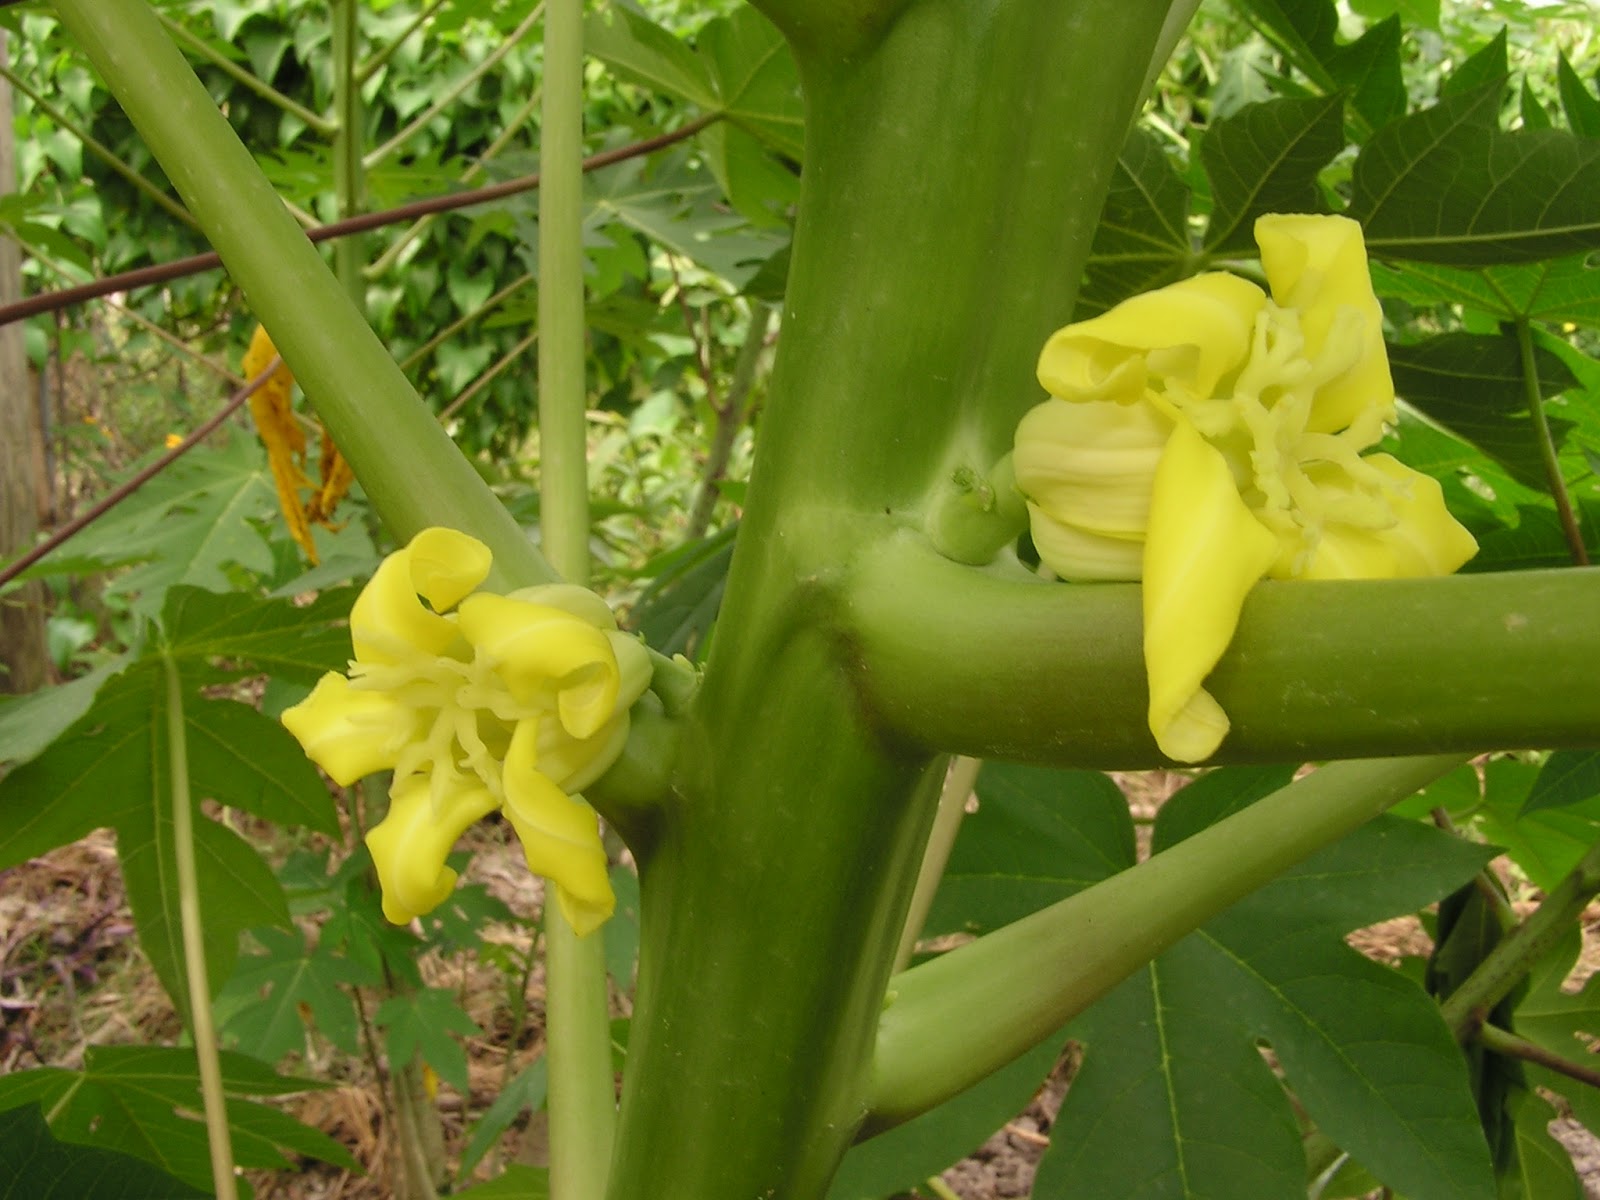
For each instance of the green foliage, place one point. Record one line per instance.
(1172, 1098)
(34, 1164)
(285, 986)
(517, 1182)
(1567, 777)
(1480, 229)
(420, 1024)
(111, 767)
(137, 1100)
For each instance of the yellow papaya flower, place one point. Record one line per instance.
(1205, 435)
(477, 702)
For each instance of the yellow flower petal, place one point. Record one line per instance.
(572, 764)
(446, 565)
(350, 732)
(388, 623)
(569, 597)
(560, 835)
(1190, 333)
(1425, 539)
(1204, 553)
(410, 844)
(540, 650)
(1317, 265)
(1083, 557)
(1089, 464)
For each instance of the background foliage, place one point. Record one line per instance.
(1493, 302)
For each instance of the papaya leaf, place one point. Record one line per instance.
(898, 1160)
(1533, 113)
(1556, 290)
(642, 52)
(192, 523)
(1038, 835)
(525, 1093)
(757, 82)
(1265, 159)
(755, 182)
(1536, 541)
(678, 206)
(33, 1164)
(1472, 384)
(112, 768)
(1567, 777)
(139, 1100)
(1545, 843)
(1448, 185)
(28, 724)
(1540, 1168)
(421, 1022)
(517, 1182)
(1577, 102)
(274, 995)
(1174, 1100)
(1142, 241)
(1564, 1023)
(678, 609)
(1486, 65)
(1368, 68)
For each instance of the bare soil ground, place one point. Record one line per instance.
(71, 977)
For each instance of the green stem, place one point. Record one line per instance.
(953, 1020)
(1548, 455)
(1465, 1009)
(453, 93)
(313, 121)
(953, 178)
(1509, 1044)
(213, 1100)
(408, 466)
(953, 797)
(563, 427)
(98, 148)
(730, 417)
(582, 1095)
(1316, 669)
(349, 170)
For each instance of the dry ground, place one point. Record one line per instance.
(71, 978)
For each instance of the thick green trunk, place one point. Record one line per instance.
(954, 171)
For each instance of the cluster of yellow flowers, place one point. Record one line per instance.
(1205, 435)
(477, 702)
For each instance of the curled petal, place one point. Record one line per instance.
(1191, 333)
(446, 565)
(350, 732)
(634, 668)
(1424, 539)
(410, 844)
(1317, 265)
(1204, 553)
(572, 764)
(388, 624)
(1090, 464)
(539, 650)
(569, 597)
(560, 835)
(1084, 557)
